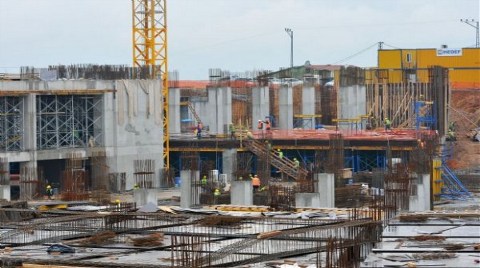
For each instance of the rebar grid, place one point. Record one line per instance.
(144, 174)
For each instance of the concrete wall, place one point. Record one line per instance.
(174, 110)
(216, 112)
(352, 101)
(133, 127)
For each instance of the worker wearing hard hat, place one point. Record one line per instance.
(296, 163)
(49, 191)
(388, 124)
(255, 183)
(280, 153)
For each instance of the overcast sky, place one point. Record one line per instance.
(236, 35)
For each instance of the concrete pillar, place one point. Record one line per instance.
(30, 123)
(307, 200)
(187, 199)
(174, 110)
(229, 159)
(218, 110)
(285, 120)
(326, 189)
(308, 100)
(5, 192)
(421, 201)
(260, 104)
(427, 195)
(145, 196)
(241, 193)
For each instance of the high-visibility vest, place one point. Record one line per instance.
(255, 181)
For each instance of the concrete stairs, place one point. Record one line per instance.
(284, 165)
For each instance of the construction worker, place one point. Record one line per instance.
(296, 163)
(231, 127)
(260, 125)
(199, 130)
(280, 153)
(217, 192)
(451, 135)
(49, 191)
(204, 182)
(255, 183)
(388, 124)
(267, 124)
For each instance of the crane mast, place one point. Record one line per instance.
(149, 34)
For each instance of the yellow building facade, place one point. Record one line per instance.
(411, 65)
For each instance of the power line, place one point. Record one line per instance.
(357, 53)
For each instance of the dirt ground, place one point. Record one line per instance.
(465, 112)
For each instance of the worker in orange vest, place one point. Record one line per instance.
(255, 183)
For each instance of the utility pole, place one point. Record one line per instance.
(290, 33)
(474, 24)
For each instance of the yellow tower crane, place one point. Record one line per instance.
(149, 32)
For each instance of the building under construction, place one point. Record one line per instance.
(90, 131)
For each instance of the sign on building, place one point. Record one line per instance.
(445, 52)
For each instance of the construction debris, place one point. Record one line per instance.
(152, 240)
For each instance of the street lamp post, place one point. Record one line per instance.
(290, 33)
(474, 24)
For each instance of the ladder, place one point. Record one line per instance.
(194, 113)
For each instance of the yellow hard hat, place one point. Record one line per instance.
(117, 201)
(48, 186)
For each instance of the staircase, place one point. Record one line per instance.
(192, 109)
(283, 164)
(453, 188)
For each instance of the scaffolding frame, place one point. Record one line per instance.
(11, 123)
(69, 121)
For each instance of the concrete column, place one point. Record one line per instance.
(421, 201)
(218, 112)
(145, 196)
(189, 177)
(5, 192)
(260, 104)
(174, 110)
(30, 123)
(285, 120)
(427, 195)
(308, 100)
(307, 200)
(326, 189)
(229, 159)
(241, 193)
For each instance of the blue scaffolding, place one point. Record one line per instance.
(425, 115)
(452, 188)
